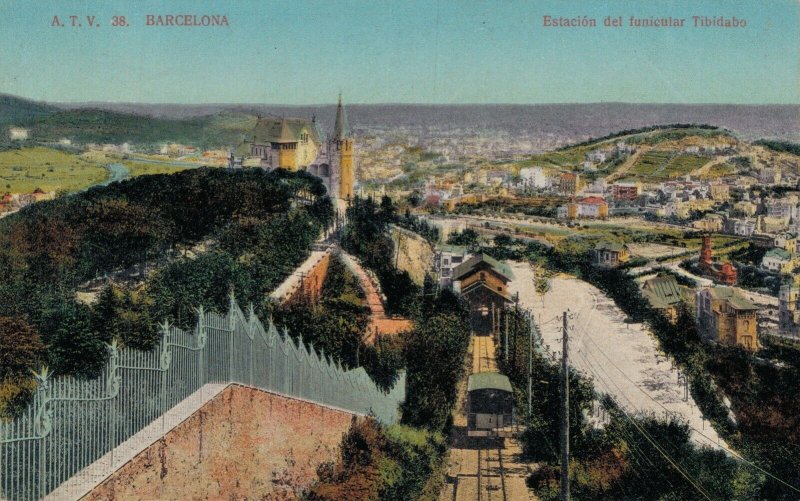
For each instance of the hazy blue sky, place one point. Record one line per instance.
(457, 51)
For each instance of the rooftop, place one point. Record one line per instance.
(729, 294)
(779, 253)
(488, 381)
(611, 246)
(662, 291)
(467, 266)
(285, 130)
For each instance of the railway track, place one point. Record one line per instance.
(485, 468)
(491, 475)
(483, 355)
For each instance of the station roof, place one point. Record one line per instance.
(488, 381)
(472, 263)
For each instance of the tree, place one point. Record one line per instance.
(468, 238)
(20, 348)
(542, 283)
(434, 354)
(74, 348)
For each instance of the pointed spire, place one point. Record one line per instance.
(341, 130)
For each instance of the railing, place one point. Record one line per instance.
(73, 423)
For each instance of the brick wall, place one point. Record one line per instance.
(311, 285)
(245, 443)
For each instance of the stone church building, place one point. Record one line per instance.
(299, 144)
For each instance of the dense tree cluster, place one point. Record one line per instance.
(435, 354)
(336, 323)
(246, 229)
(367, 236)
(780, 146)
(391, 463)
(419, 226)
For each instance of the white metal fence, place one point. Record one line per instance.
(73, 423)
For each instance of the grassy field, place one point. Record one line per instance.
(22, 171)
(146, 169)
(136, 167)
(663, 165)
(720, 170)
(656, 166)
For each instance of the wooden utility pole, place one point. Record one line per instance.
(530, 364)
(565, 409)
(505, 341)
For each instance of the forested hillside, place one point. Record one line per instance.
(248, 229)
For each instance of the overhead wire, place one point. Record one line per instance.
(709, 439)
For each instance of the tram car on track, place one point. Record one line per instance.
(490, 405)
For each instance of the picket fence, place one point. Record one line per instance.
(73, 424)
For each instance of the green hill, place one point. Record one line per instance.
(100, 126)
(18, 111)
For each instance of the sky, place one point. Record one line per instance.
(404, 51)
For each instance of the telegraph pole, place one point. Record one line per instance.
(565, 409)
(530, 364)
(505, 342)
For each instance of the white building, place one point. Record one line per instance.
(597, 156)
(534, 177)
(446, 259)
(742, 227)
(17, 133)
(776, 260)
(782, 209)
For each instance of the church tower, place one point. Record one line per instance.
(342, 152)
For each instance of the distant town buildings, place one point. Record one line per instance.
(446, 259)
(17, 133)
(724, 273)
(625, 191)
(568, 183)
(720, 192)
(13, 201)
(611, 255)
(740, 227)
(588, 207)
(665, 295)
(724, 316)
(597, 156)
(712, 223)
(777, 260)
(534, 178)
(769, 175)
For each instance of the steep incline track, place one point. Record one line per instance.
(482, 468)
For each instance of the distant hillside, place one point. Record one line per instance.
(101, 126)
(547, 126)
(18, 111)
(565, 123)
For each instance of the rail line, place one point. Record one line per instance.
(485, 468)
(490, 474)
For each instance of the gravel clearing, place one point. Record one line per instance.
(622, 359)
